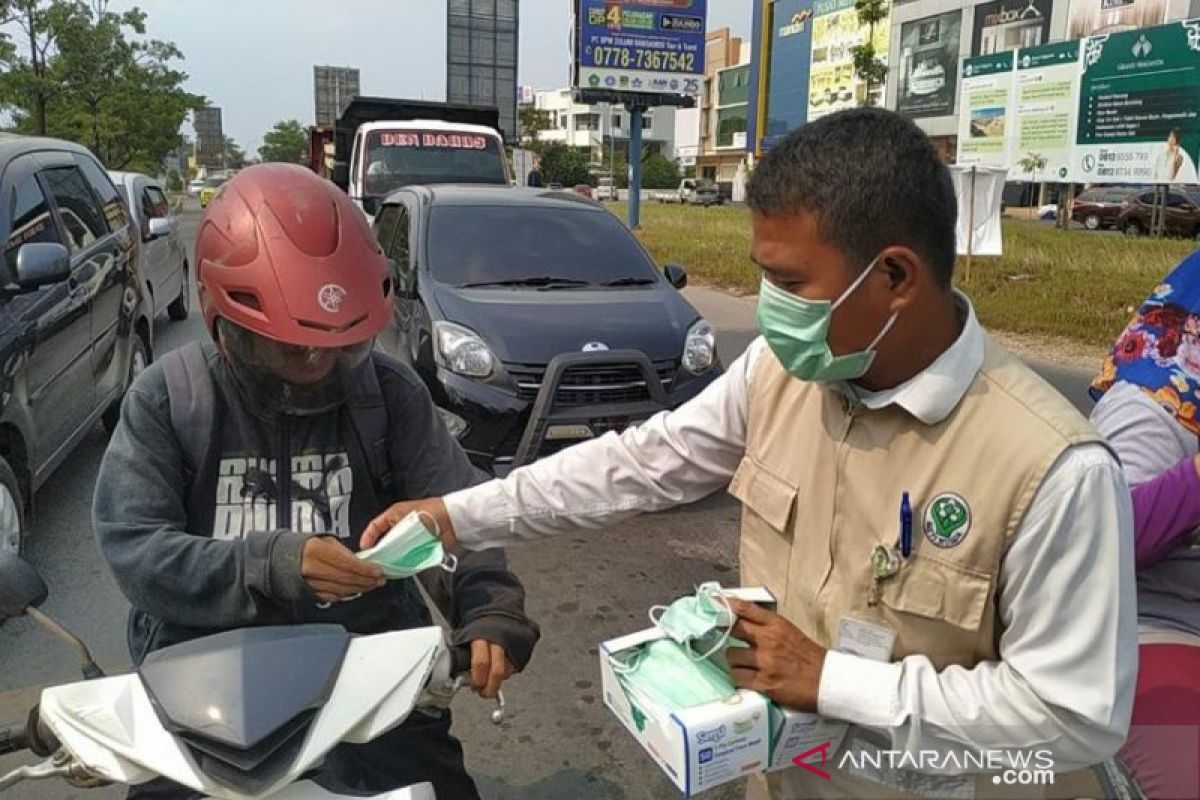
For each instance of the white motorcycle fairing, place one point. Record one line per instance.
(111, 727)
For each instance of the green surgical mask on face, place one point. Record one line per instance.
(662, 678)
(409, 548)
(797, 331)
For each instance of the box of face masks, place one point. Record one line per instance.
(711, 744)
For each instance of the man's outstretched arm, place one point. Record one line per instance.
(672, 459)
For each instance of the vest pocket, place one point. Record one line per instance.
(937, 609)
(768, 502)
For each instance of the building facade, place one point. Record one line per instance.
(724, 112)
(481, 57)
(602, 128)
(926, 42)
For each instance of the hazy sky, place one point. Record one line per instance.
(254, 58)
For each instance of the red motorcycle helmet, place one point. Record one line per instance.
(292, 286)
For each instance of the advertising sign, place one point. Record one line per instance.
(1010, 24)
(928, 70)
(1047, 106)
(983, 115)
(832, 84)
(1139, 107)
(1093, 17)
(333, 89)
(640, 45)
(788, 72)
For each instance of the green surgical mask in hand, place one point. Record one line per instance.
(409, 548)
(703, 620)
(662, 678)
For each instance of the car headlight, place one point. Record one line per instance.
(700, 348)
(463, 351)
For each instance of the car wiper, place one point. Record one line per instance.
(545, 281)
(630, 282)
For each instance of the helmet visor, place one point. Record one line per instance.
(290, 379)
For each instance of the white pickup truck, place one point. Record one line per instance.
(691, 191)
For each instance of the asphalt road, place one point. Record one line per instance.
(560, 741)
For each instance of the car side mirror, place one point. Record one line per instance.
(676, 275)
(341, 175)
(21, 587)
(158, 228)
(41, 264)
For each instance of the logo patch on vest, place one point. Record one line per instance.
(947, 520)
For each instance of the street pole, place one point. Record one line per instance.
(635, 166)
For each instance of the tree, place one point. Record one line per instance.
(659, 172)
(868, 65)
(565, 165)
(287, 142)
(81, 74)
(174, 181)
(235, 158)
(533, 121)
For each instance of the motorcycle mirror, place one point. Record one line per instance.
(21, 587)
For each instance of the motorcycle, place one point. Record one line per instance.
(239, 715)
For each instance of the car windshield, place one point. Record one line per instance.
(213, 183)
(410, 157)
(474, 245)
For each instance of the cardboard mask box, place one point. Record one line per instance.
(712, 744)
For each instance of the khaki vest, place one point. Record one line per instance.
(821, 485)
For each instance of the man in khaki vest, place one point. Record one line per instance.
(1006, 620)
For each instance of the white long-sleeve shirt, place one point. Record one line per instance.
(1066, 591)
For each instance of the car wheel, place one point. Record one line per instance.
(1132, 228)
(12, 511)
(1091, 222)
(180, 306)
(139, 359)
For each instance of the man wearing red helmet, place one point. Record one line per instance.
(257, 524)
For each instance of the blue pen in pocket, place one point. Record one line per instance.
(905, 526)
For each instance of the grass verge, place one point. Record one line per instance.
(1073, 284)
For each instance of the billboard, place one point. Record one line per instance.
(984, 112)
(1095, 17)
(1047, 105)
(333, 89)
(1009, 25)
(832, 84)
(1139, 107)
(787, 78)
(210, 138)
(640, 45)
(481, 57)
(928, 71)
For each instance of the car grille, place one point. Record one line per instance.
(585, 385)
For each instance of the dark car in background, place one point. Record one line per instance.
(1182, 214)
(74, 326)
(524, 304)
(1100, 207)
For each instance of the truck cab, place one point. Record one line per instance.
(387, 155)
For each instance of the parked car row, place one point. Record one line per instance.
(1131, 210)
(76, 325)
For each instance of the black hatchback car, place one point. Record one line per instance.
(520, 306)
(74, 326)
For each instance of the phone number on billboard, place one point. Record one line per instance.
(651, 60)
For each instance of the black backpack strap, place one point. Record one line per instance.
(192, 399)
(369, 417)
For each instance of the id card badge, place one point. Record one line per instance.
(866, 638)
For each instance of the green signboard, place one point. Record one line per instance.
(984, 111)
(1046, 111)
(1139, 107)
